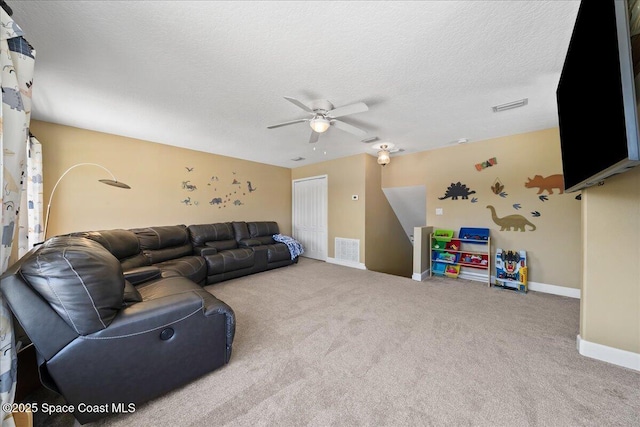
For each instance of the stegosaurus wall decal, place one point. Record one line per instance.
(457, 190)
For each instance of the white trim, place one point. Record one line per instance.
(357, 265)
(420, 276)
(616, 356)
(545, 288)
(554, 289)
(531, 286)
(472, 275)
(325, 224)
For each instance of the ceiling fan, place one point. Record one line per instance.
(324, 115)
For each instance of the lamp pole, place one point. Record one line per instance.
(113, 182)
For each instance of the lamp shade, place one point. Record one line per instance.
(114, 183)
(319, 124)
(383, 157)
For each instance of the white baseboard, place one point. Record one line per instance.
(420, 276)
(554, 289)
(479, 277)
(471, 275)
(543, 287)
(626, 359)
(351, 264)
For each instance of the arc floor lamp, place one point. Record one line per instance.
(113, 182)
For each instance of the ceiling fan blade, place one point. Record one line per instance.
(358, 107)
(287, 123)
(299, 104)
(314, 137)
(348, 128)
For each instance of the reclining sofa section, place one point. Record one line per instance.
(203, 253)
(101, 341)
(121, 316)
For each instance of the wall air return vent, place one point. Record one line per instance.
(347, 250)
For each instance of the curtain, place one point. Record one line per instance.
(17, 60)
(31, 230)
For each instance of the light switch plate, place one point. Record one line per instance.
(439, 211)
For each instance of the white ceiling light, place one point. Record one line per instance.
(319, 124)
(384, 157)
(384, 152)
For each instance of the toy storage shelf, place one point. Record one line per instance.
(449, 254)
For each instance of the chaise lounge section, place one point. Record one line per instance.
(101, 340)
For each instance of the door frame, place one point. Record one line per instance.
(326, 204)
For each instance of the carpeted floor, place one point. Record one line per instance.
(319, 344)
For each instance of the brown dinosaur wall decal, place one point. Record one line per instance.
(546, 183)
(510, 222)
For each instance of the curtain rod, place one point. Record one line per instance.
(6, 7)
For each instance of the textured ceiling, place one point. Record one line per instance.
(211, 75)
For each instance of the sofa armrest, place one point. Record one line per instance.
(204, 250)
(248, 243)
(159, 313)
(142, 274)
(152, 314)
(150, 348)
(214, 306)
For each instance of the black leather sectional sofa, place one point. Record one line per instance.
(204, 253)
(119, 317)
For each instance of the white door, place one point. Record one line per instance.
(310, 216)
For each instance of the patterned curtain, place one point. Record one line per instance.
(17, 60)
(31, 230)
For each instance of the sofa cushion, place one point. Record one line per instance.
(201, 234)
(164, 243)
(167, 286)
(80, 279)
(192, 267)
(231, 260)
(278, 252)
(263, 231)
(142, 274)
(248, 243)
(222, 245)
(263, 228)
(240, 230)
(131, 294)
(123, 244)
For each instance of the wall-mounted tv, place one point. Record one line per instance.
(596, 94)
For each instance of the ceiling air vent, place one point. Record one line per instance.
(510, 105)
(371, 139)
(297, 159)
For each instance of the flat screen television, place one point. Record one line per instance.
(596, 94)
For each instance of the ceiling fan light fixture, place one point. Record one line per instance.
(319, 124)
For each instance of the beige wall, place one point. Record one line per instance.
(384, 245)
(345, 177)
(610, 304)
(421, 257)
(609, 214)
(553, 249)
(155, 173)
(388, 249)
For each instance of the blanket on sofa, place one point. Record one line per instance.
(295, 247)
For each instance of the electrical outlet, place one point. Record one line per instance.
(439, 211)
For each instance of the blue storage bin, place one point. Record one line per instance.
(474, 233)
